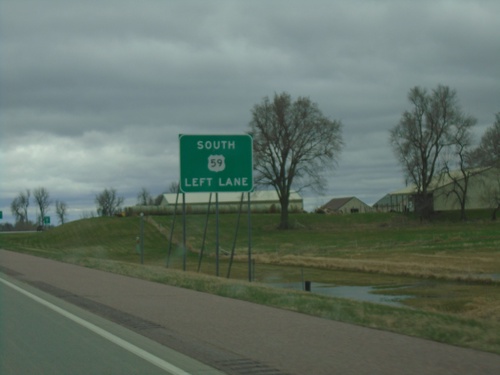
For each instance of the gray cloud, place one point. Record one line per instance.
(94, 94)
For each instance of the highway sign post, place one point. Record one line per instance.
(46, 220)
(213, 164)
(216, 163)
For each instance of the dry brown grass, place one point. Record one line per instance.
(476, 268)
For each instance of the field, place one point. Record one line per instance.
(449, 269)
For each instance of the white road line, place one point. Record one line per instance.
(164, 365)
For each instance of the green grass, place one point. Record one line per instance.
(333, 235)
(389, 243)
(443, 264)
(105, 238)
(481, 334)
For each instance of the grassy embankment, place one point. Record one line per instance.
(446, 264)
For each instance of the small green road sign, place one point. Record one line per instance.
(1, 215)
(216, 163)
(46, 220)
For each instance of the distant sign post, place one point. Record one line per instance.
(46, 220)
(216, 163)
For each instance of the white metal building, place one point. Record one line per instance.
(483, 186)
(260, 201)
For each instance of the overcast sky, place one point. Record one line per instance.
(93, 94)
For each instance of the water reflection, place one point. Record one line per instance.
(358, 293)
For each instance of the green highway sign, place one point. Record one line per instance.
(46, 219)
(216, 163)
(1, 215)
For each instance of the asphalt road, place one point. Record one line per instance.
(42, 335)
(242, 338)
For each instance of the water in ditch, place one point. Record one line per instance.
(358, 293)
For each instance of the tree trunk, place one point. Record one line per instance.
(423, 205)
(463, 216)
(284, 212)
(494, 214)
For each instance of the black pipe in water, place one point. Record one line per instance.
(307, 286)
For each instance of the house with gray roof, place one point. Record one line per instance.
(347, 205)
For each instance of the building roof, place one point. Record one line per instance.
(203, 198)
(336, 204)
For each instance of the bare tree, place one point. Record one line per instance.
(488, 152)
(17, 210)
(293, 144)
(42, 199)
(488, 155)
(108, 203)
(19, 206)
(144, 198)
(491, 196)
(461, 140)
(173, 187)
(422, 133)
(158, 199)
(61, 211)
